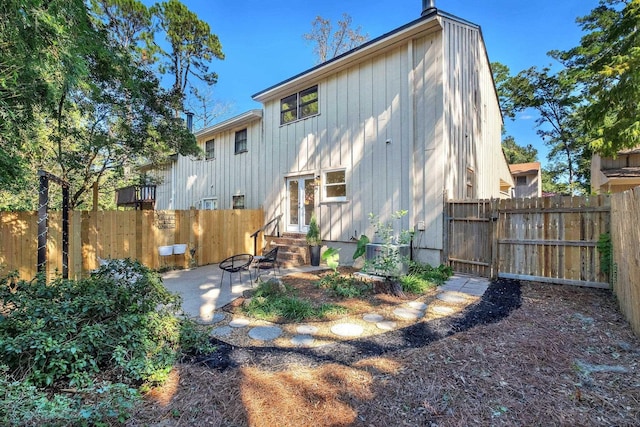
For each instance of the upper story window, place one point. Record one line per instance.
(209, 149)
(335, 186)
(241, 141)
(209, 203)
(299, 105)
(521, 180)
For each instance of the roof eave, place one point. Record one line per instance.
(232, 123)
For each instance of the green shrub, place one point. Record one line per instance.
(121, 323)
(344, 286)
(437, 275)
(23, 404)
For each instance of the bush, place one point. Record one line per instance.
(344, 286)
(121, 323)
(437, 275)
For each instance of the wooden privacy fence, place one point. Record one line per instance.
(548, 239)
(625, 239)
(212, 235)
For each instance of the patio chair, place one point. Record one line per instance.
(235, 264)
(266, 261)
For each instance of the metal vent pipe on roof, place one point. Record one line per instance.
(428, 6)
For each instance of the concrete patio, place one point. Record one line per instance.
(203, 293)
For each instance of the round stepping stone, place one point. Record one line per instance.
(217, 317)
(417, 305)
(265, 333)
(306, 329)
(221, 331)
(347, 329)
(386, 325)
(373, 318)
(239, 323)
(302, 340)
(451, 297)
(442, 310)
(408, 313)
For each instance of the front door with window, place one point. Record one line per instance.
(301, 203)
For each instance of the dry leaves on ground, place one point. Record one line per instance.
(565, 357)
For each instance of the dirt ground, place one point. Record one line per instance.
(525, 354)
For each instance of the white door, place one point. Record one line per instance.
(301, 202)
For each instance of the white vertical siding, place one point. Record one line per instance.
(472, 115)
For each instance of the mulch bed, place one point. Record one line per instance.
(524, 354)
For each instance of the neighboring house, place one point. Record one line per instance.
(403, 122)
(527, 178)
(615, 175)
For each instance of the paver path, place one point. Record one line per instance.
(453, 296)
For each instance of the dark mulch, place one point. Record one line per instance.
(502, 297)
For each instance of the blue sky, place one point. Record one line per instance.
(263, 41)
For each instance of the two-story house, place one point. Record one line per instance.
(403, 122)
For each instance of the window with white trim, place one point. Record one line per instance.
(238, 201)
(299, 105)
(209, 149)
(334, 185)
(209, 203)
(241, 141)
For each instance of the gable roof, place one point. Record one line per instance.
(524, 168)
(430, 21)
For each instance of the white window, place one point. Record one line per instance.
(238, 202)
(335, 186)
(209, 149)
(209, 204)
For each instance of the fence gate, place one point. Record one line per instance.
(470, 239)
(547, 239)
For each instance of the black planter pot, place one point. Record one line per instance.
(314, 251)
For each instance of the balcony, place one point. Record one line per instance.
(137, 196)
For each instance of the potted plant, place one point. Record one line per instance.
(314, 241)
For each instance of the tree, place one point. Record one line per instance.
(606, 65)
(193, 47)
(329, 44)
(516, 153)
(554, 97)
(103, 107)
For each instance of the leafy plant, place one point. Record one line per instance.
(122, 320)
(605, 248)
(332, 257)
(437, 275)
(344, 286)
(389, 261)
(362, 247)
(313, 234)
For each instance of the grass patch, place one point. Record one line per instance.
(344, 286)
(274, 304)
(436, 275)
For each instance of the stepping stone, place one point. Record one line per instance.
(417, 305)
(451, 297)
(239, 323)
(408, 313)
(347, 329)
(442, 310)
(302, 340)
(221, 331)
(265, 333)
(373, 318)
(306, 330)
(217, 317)
(386, 325)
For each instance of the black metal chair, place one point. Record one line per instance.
(266, 261)
(235, 264)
